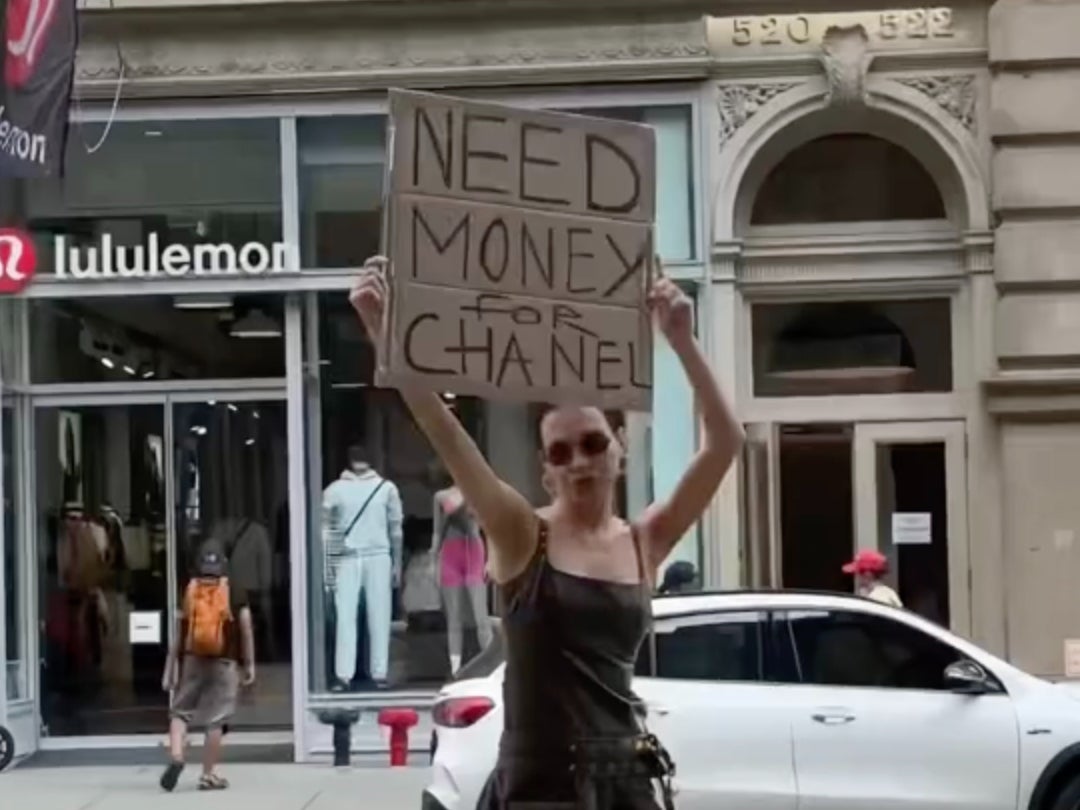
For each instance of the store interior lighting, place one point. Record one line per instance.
(203, 302)
(255, 325)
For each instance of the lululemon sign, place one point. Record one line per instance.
(18, 260)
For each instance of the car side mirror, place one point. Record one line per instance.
(967, 677)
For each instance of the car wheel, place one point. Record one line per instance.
(1068, 798)
(7, 748)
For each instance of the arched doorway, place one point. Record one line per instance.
(851, 285)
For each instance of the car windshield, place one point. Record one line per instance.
(486, 662)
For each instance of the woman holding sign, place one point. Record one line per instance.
(575, 579)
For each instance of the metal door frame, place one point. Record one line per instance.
(165, 395)
(951, 433)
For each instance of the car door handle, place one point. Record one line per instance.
(833, 718)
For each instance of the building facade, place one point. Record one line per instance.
(873, 208)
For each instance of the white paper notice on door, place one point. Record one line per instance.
(145, 627)
(1072, 658)
(911, 528)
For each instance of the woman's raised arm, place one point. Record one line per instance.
(507, 517)
(665, 522)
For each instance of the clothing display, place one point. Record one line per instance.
(362, 543)
(368, 577)
(462, 565)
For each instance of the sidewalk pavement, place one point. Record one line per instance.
(259, 787)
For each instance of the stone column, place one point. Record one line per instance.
(1035, 125)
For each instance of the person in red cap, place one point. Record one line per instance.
(869, 566)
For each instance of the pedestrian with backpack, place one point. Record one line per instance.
(211, 655)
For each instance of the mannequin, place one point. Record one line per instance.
(362, 540)
(462, 563)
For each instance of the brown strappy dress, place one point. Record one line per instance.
(571, 645)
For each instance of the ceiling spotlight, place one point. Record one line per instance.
(130, 370)
(107, 362)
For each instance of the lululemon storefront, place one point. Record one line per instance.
(179, 362)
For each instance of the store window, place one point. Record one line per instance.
(118, 339)
(852, 347)
(841, 648)
(342, 162)
(389, 610)
(847, 178)
(160, 183)
(102, 554)
(710, 647)
(342, 166)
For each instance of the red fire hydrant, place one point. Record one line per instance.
(399, 722)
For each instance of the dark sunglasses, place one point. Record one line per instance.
(592, 444)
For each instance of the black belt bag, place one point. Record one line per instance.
(607, 759)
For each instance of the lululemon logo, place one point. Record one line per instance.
(18, 260)
(28, 23)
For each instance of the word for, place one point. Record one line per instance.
(917, 23)
(498, 248)
(152, 259)
(21, 144)
(499, 341)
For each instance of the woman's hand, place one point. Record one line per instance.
(672, 309)
(370, 296)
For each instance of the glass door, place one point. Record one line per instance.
(230, 485)
(103, 567)
(911, 505)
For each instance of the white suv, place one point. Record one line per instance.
(781, 700)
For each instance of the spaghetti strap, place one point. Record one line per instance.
(639, 552)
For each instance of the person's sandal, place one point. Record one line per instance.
(211, 781)
(171, 776)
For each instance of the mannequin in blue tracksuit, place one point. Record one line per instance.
(362, 562)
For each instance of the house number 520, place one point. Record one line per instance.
(771, 30)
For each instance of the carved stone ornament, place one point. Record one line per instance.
(954, 94)
(845, 54)
(738, 103)
(348, 52)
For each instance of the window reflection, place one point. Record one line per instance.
(189, 182)
(853, 347)
(342, 163)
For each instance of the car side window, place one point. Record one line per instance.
(849, 648)
(724, 646)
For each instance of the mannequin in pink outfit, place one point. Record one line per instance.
(462, 564)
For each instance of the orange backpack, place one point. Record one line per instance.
(208, 614)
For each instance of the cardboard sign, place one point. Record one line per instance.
(522, 248)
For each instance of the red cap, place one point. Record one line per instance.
(867, 561)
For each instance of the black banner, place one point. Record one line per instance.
(39, 63)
